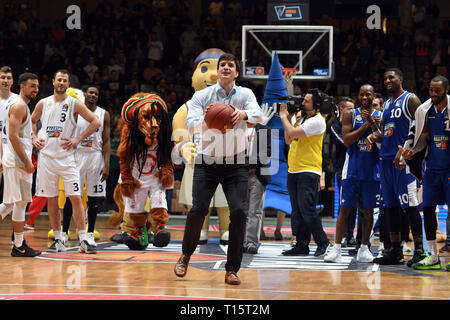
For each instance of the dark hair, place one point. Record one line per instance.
(6, 69)
(396, 70)
(442, 79)
(228, 57)
(63, 71)
(91, 86)
(317, 97)
(24, 77)
(343, 100)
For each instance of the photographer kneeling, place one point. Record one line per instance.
(305, 168)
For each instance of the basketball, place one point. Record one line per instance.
(218, 116)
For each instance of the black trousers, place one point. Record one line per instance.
(305, 220)
(234, 180)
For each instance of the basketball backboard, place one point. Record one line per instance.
(306, 48)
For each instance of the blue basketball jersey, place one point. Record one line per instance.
(438, 159)
(396, 119)
(361, 163)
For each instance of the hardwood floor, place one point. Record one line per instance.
(118, 273)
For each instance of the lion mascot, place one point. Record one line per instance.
(146, 169)
(205, 74)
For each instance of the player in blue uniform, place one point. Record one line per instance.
(398, 188)
(360, 174)
(432, 126)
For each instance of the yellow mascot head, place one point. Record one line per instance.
(205, 73)
(76, 93)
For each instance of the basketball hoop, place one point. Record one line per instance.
(288, 76)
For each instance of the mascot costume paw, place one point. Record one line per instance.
(146, 170)
(205, 74)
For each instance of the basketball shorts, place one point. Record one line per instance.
(48, 172)
(17, 184)
(397, 187)
(436, 188)
(153, 190)
(352, 189)
(90, 166)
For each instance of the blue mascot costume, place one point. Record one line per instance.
(277, 196)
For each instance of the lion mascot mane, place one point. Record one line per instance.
(146, 169)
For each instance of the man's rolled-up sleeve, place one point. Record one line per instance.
(252, 108)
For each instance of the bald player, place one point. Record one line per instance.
(360, 174)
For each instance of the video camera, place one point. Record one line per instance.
(325, 103)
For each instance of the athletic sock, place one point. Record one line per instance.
(82, 235)
(58, 235)
(432, 247)
(18, 239)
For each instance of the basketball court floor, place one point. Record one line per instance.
(116, 273)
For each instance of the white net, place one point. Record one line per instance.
(288, 75)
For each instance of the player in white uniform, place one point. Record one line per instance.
(56, 141)
(92, 157)
(16, 160)
(6, 97)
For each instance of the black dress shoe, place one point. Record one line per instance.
(321, 249)
(296, 251)
(119, 237)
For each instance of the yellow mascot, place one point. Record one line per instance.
(205, 74)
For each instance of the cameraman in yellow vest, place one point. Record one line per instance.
(304, 171)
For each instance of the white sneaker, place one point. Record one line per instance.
(333, 255)
(364, 255)
(85, 247)
(91, 239)
(380, 250)
(65, 238)
(57, 246)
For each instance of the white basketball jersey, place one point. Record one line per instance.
(95, 141)
(4, 107)
(149, 169)
(10, 157)
(57, 122)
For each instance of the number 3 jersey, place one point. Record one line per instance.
(58, 122)
(361, 163)
(396, 120)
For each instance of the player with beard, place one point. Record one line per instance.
(92, 156)
(360, 174)
(432, 133)
(16, 160)
(56, 141)
(398, 188)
